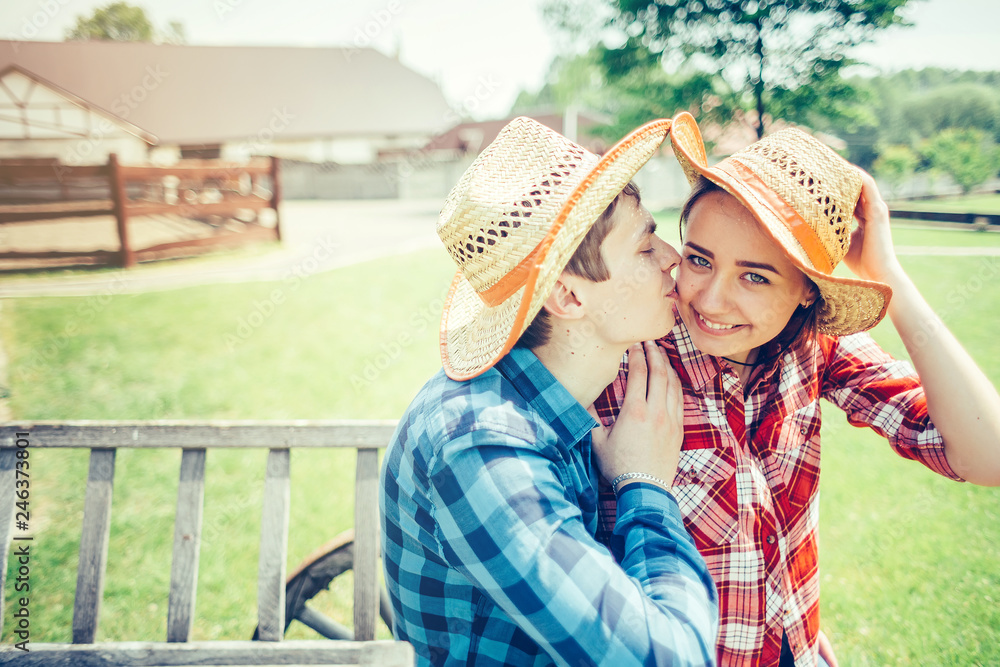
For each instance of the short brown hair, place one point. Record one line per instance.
(802, 325)
(587, 262)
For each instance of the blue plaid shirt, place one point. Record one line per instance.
(489, 509)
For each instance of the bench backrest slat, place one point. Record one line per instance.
(8, 459)
(187, 545)
(273, 547)
(93, 545)
(366, 547)
(208, 434)
(159, 654)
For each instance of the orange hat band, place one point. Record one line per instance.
(799, 228)
(512, 281)
(516, 277)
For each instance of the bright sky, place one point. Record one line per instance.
(481, 53)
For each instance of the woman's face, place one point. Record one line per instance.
(736, 288)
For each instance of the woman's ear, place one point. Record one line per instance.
(811, 297)
(563, 301)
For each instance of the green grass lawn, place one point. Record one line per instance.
(905, 234)
(909, 560)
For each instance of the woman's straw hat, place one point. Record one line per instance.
(512, 224)
(804, 196)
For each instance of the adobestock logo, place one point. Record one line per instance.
(263, 309)
(418, 159)
(427, 316)
(122, 106)
(380, 20)
(31, 25)
(485, 87)
(48, 349)
(223, 7)
(258, 144)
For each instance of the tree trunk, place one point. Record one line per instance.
(758, 87)
(759, 94)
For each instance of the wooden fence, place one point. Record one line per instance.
(33, 190)
(980, 220)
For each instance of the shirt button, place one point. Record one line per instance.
(770, 539)
(802, 430)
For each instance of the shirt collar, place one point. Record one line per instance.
(546, 395)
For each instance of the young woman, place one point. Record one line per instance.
(765, 331)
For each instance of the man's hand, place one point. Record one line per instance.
(650, 429)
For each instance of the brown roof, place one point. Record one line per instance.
(212, 94)
(80, 102)
(473, 136)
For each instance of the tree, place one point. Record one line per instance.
(778, 56)
(645, 93)
(962, 106)
(895, 164)
(970, 157)
(908, 107)
(122, 22)
(571, 80)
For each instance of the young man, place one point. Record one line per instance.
(489, 486)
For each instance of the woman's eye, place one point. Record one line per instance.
(757, 279)
(698, 261)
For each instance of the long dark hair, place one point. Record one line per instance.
(800, 331)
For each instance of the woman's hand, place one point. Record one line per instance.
(648, 434)
(871, 255)
(826, 650)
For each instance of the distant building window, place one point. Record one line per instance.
(201, 152)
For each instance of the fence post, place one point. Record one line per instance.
(366, 547)
(276, 195)
(126, 257)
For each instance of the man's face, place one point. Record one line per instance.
(637, 302)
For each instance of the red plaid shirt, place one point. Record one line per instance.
(748, 479)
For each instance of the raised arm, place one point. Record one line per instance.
(961, 401)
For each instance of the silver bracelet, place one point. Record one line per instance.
(636, 475)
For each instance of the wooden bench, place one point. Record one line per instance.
(103, 439)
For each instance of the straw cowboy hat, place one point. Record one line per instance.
(512, 224)
(804, 196)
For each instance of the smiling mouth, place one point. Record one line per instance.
(714, 326)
